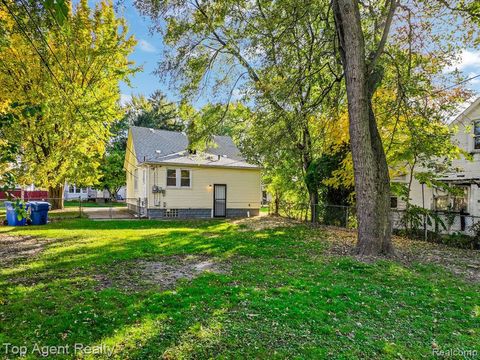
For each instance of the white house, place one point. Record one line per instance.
(465, 174)
(73, 192)
(167, 180)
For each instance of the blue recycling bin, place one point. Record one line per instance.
(12, 218)
(39, 212)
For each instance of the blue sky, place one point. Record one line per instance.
(147, 54)
(149, 48)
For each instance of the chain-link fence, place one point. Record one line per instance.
(324, 214)
(436, 222)
(454, 228)
(93, 208)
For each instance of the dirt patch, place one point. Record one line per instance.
(264, 222)
(15, 248)
(141, 274)
(464, 263)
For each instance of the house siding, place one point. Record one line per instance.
(468, 169)
(244, 192)
(243, 188)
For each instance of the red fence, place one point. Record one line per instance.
(27, 195)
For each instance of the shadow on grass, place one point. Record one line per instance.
(281, 299)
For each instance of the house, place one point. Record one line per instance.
(167, 180)
(465, 176)
(73, 192)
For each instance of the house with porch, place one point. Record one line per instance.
(166, 179)
(465, 175)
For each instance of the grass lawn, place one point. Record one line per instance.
(279, 293)
(76, 203)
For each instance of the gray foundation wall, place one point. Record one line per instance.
(198, 213)
(232, 213)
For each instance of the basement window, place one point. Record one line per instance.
(170, 213)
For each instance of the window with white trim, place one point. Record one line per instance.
(179, 178)
(476, 135)
(185, 178)
(171, 177)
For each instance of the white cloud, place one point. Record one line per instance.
(466, 59)
(144, 45)
(125, 99)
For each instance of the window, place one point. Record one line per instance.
(452, 202)
(71, 189)
(170, 213)
(393, 202)
(171, 177)
(77, 190)
(185, 178)
(178, 178)
(476, 133)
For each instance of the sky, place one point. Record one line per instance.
(148, 53)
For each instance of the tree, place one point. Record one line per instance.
(363, 35)
(154, 112)
(61, 80)
(277, 56)
(112, 173)
(372, 182)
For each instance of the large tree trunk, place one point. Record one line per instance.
(313, 201)
(55, 197)
(312, 187)
(276, 210)
(372, 183)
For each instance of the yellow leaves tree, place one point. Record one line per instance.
(62, 83)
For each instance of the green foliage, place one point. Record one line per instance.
(63, 112)
(414, 217)
(20, 208)
(155, 112)
(113, 175)
(460, 240)
(59, 9)
(321, 170)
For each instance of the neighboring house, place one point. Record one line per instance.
(166, 180)
(73, 192)
(466, 175)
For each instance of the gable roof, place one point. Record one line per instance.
(171, 147)
(464, 109)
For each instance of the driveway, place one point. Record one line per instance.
(108, 213)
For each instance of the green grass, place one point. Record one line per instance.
(283, 298)
(76, 203)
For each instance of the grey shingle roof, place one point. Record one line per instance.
(170, 147)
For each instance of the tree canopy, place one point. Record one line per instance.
(60, 82)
